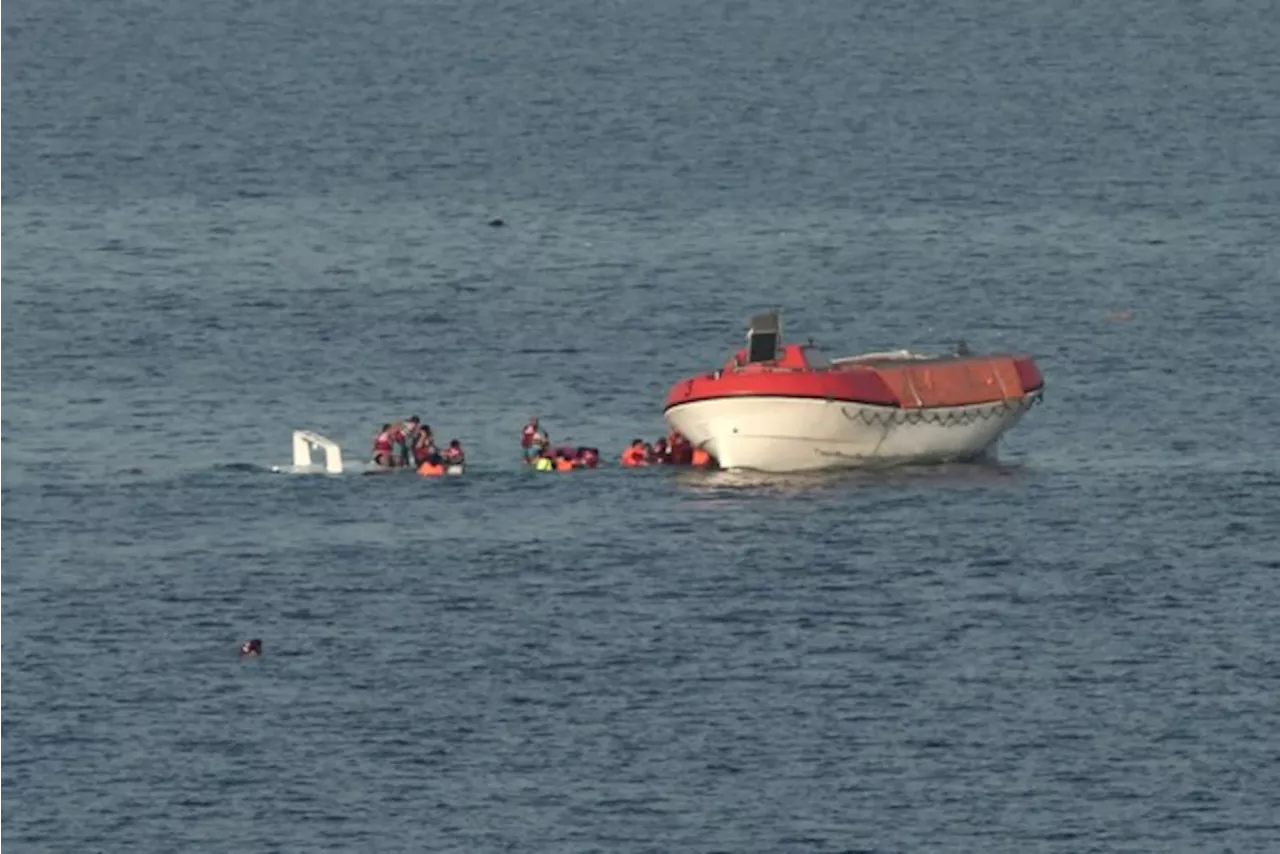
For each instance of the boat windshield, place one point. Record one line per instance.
(815, 357)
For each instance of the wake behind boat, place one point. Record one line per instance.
(787, 408)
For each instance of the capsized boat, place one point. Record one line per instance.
(778, 407)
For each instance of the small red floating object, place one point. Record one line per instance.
(251, 648)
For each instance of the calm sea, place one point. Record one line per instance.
(225, 221)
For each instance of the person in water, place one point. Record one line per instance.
(542, 460)
(424, 445)
(432, 462)
(383, 447)
(251, 648)
(453, 455)
(637, 454)
(410, 429)
(680, 449)
(566, 459)
(399, 445)
(533, 440)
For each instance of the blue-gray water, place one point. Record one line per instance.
(223, 221)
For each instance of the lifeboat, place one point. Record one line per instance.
(778, 407)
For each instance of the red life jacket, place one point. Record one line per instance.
(382, 443)
(526, 435)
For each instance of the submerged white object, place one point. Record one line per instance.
(305, 442)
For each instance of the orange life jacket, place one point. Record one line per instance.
(429, 469)
(564, 465)
(633, 456)
(701, 457)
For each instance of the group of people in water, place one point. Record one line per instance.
(410, 444)
(672, 449)
(537, 452)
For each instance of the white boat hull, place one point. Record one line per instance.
(791, 434)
